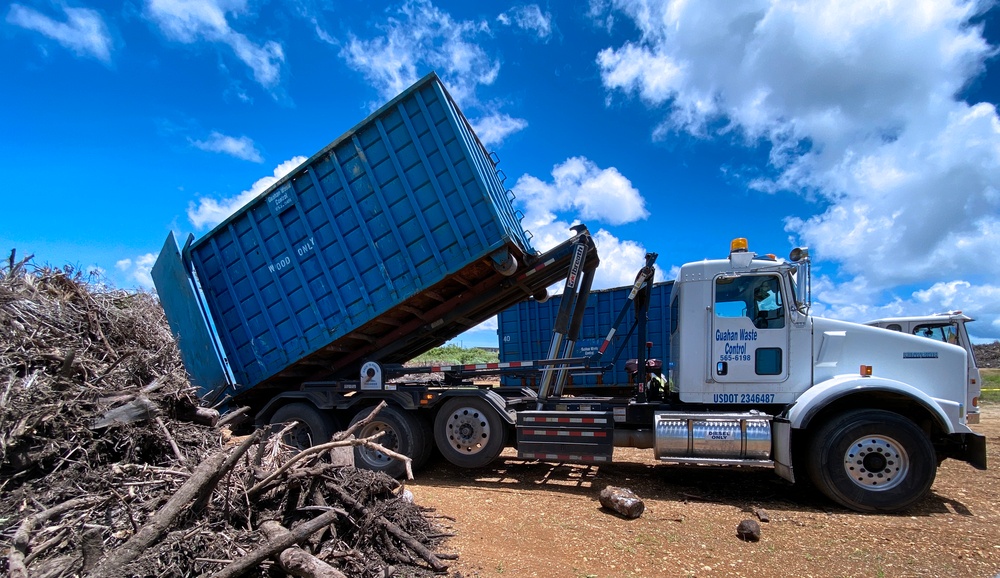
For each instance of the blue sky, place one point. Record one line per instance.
(866, 130)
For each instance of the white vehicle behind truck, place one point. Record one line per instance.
(948, 327)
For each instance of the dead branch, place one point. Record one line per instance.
(360, 424)
(170, 440)
(201, 416)
(237, 415)
(274, 546)
(315, 450)
(295, 560)
(394, 455)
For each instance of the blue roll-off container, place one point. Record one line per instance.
(384, 244)
(525, 333)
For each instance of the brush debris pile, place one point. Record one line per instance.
(988, 354)
(108, 467)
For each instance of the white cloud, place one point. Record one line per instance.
(191, 21)
(419, 38)
(529, 18)
(580, 191)
(620, 259)
(207, 212)
(84, 31)
(857, 101)
(856, 301)
(490, 325)
(594, 194)
(241, 148)
(923, 207)
(493, 129)
(138, 270)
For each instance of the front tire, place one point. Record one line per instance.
(404, 434)
(872, 461)
(469, 432)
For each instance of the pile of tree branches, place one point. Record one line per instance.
(108, 466)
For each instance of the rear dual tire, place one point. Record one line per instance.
(469, 432)
(313, 426)
(402, 431)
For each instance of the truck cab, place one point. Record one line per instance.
(740, 334)
(864, 412)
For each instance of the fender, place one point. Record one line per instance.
(822, 394)
(491, 397)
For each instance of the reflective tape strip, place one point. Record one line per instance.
(535, 419)
(571, 433)
(475, 366)
(565, 457)
(537, 268)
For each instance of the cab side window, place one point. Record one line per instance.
(757, 297)
(767, 304)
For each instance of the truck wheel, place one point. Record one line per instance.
(469, 432)
(403, 434)
(872, 461)
(314, 427)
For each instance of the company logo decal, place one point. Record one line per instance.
(920, 355)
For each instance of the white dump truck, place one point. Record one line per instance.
(304, 305)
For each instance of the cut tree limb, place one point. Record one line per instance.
(360, 423)
(295, 560)
(202, 481)
(170, 439)
(276, 545)
(201, 416)
(369, 442)
(237, 416)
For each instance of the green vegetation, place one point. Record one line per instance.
(991, 385)
(453, 354)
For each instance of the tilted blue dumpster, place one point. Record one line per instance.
(391, 240)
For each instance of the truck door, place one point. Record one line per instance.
(749, 337)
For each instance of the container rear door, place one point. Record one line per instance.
(199, 350)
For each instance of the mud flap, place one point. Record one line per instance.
(781, 448)
(974, 450)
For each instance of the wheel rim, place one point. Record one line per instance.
(468, 430)
(876, 463)
(388, 440)
(300, 436)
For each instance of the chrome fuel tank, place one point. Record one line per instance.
(729, 436)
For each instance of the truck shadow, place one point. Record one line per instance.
(740, 487)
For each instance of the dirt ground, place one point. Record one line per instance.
(525, 518)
